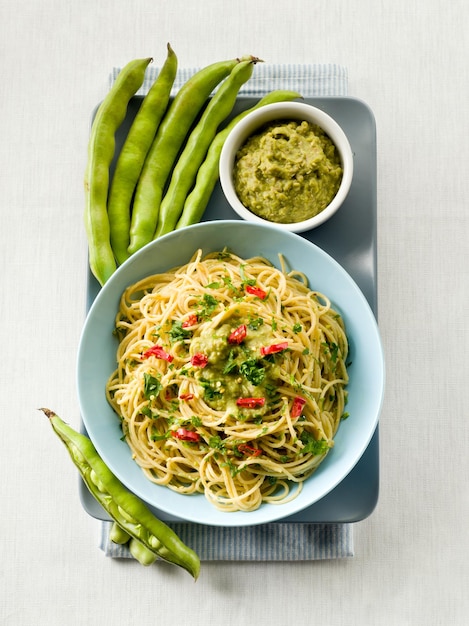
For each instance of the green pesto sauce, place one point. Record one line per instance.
(288, 172)
(235, 371)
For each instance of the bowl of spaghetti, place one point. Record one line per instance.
(230, 374)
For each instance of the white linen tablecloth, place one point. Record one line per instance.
(407, 59)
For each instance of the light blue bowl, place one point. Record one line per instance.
(96, 361)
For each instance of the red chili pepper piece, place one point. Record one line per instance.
(297, 406)
(249, 450)
(250, 403)
(256, 291)
(199, 360)
(238, 335)
(186, 396)
(190, 321)
(186, 435)
(159, 353)
(275, 347)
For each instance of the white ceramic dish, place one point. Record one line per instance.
(285, 111)
(96, 361)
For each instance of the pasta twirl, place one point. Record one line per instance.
(231, 379)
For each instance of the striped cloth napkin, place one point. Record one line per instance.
(278, 541)
(310, 80)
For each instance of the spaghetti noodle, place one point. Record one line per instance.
(231, 379)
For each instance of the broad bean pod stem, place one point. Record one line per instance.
(172, 132)
(101, 148)
(207, 176)
(150, 537)
(132, 156)
(200, 138)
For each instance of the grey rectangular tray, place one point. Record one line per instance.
(349, 237)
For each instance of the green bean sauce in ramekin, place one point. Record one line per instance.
(288, 172)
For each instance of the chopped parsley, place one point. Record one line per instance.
(332, 349)
(312, 445)
(211, 392)
(252, 371)
(147, 412)
(178, 333)
(228, 283)
(254, 324)
(155, 436)
(208, 304)
(216, 442)
(196, 421)
(231, 363)
(151, 385)
(244, 279)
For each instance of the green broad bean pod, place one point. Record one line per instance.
(118, 534)
(141, 553)
(101, 148)
(134, 151)
(207, 176)
(200, 138)
(150, 538)
(172, 132)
